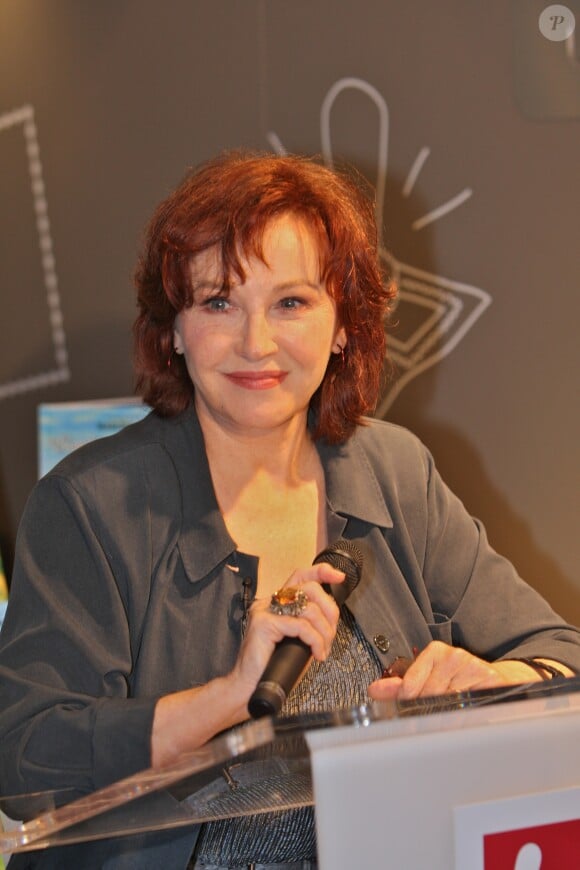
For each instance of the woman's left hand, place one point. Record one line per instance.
(440, 669)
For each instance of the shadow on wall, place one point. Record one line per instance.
(462, 469)
(459, 463)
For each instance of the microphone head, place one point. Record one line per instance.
(345, 556)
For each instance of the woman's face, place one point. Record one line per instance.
(257, 355)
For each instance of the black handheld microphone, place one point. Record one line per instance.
(291, 654)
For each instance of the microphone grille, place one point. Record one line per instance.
(345, 556)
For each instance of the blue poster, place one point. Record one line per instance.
(64, 426)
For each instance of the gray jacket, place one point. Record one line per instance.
(121, 590)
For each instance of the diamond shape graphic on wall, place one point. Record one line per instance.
(432, 316)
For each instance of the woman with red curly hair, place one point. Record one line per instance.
(158, 571)
(226, 207)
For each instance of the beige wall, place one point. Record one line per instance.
(125, 94)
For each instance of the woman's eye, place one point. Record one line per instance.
(291, 303)
(216, 303)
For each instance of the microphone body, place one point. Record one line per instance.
(291, 654)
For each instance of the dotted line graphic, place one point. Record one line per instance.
(25, 117)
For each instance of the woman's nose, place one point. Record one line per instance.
(258, 337)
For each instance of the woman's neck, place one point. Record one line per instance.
(271, 493)
(285, 455)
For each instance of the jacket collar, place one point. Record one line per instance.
(204, 541)
(352, 488)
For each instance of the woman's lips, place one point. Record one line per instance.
(256, 380)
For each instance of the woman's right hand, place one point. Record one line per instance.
(184, 721)
(316, 625)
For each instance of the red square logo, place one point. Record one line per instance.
(543, 847)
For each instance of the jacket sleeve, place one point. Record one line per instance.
(490, 610)
(66, 716)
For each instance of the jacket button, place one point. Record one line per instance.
(381, 643)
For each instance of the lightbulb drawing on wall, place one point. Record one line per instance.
(434, 313)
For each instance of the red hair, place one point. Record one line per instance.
(228, 202)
